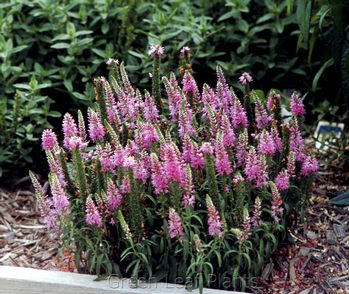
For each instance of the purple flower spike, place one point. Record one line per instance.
(93, 217)
(245, 78)
(156, 50)
(49, 139)
(184, 49)
(95, 127)
(297, 107)
(214, 220)
(175, 225)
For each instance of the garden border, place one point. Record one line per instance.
(18, 280)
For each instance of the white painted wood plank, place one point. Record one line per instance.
(18, 280)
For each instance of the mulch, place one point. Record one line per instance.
(317, 261)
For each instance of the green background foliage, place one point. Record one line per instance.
(58, 46)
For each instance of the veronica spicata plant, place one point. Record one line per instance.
(182, 183)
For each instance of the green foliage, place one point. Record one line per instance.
(62, 44)
(22, 120)
(326, 22)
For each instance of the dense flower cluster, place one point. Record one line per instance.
(178, 162)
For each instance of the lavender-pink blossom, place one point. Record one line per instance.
(296, 104)
(95, 126)
(175, 225)
(282, 180)
(49, 139)
(215, 224)
(245, 78)
(92, 217)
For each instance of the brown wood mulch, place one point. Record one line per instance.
(24, 239)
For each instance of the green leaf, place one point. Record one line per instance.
(303, 14)
(60, 46)
(318, 75)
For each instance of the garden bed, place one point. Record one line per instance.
(317, 260)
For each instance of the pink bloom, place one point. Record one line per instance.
(206, 148)
(291, 167)
(111, 61)
(59, 198)
(246, 226)
(191, 153)
(276, 203)
(158, 178)
(282, 180)
(272, 97)
(297, 107)
(141, 169)
(222, 162)
(95, 126)
(276, 139)
(262, 118)
(256, 168)
(252, 165)
(69, 129)
(125, 185)
(174, 96)
(228, 132)
(296, 142)
(185, 121)
(189, 84)
(114, 196)
(109, 101)
(93, 217)
(49, 139)
(242, 148)
(266, 144)
(156, 50)
(74, 143)
(150, 111)
(175, 225)
(262, 176)
(148, 135)
(238, 115)
(309, 165)
(214, 220)
(257, 213)
(185, 49)
(245, 78)
(189, 197)
(238, 179)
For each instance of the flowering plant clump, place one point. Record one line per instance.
(182, 183)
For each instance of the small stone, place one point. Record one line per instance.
(312, 235)
(331, 237)
(339, 230)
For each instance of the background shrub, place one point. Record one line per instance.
(63, 44)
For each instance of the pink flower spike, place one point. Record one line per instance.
(184, 49)
(309, 166)
(156, 50)
(95, 126)
(282, 180)
(175, 225)
(222, 162)
(276, 203)
(245, 78)
(49, 139)
(297, 106)
(214, 220)
(93, 217)
(111, 61)
(114, 196)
